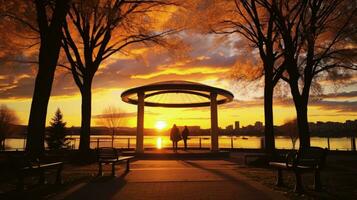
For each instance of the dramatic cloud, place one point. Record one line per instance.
(116, 115)
(182, 71)
(209, 60)
(342, 95)
(340, 106)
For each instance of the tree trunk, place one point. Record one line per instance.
(303, 125)
(86, 93)
(301, 116)
(48, 55)
(268, 116)
(38, 112)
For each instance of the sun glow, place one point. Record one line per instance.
(160, 125)
(159, 143)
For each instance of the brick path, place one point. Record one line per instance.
(173, 179)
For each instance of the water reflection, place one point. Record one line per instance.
(159, 143)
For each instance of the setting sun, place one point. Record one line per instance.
(160, 125)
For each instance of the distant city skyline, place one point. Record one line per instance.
(334, 129)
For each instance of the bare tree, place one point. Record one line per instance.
(255, 23)
(94, 31)
(290, 129)
(7, 119)
(111, 118)
(315, 36)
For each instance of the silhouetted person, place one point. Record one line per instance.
(175, 137)
(185, 134)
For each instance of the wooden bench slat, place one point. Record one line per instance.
(107, 160)
(47, 165)
(280, 165)
(125, 158)
(120, 158)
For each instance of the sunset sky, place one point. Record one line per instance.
(209, 59)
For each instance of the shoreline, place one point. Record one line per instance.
(160, 135)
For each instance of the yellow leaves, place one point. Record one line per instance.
(162, 17)
(247, 70)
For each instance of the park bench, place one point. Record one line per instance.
(107, 155)
(311, 159)
(24, 167)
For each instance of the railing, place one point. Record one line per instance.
(226, 142)
(199, 142)
(130, 142)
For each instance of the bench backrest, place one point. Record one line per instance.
(108, 153)
(312, 156)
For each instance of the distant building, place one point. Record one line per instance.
(229, 128)
(319, 123)
(351, 124)
(236, 125)
(258, 125)
(192, 129)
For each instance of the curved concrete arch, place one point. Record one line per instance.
(139, 95)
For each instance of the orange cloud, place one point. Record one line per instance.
(181, 71)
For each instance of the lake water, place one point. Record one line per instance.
(251, 142)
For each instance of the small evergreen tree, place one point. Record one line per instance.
(56, 136)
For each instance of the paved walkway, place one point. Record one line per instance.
(173, 179)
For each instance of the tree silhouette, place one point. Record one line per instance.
(46, 21)
(111, 118)
(56, 134)
(50, 36)
(316, 42)
(290, 129)
(7, 119)
(43, 20)
(94, 31)
(256, 24)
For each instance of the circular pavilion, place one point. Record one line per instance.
(176, 94)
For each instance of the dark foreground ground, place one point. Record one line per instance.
(189, 179)
(339, 178)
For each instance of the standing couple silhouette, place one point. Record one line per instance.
(175, 137)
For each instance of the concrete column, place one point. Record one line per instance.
(214, 123)
(140, 124)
